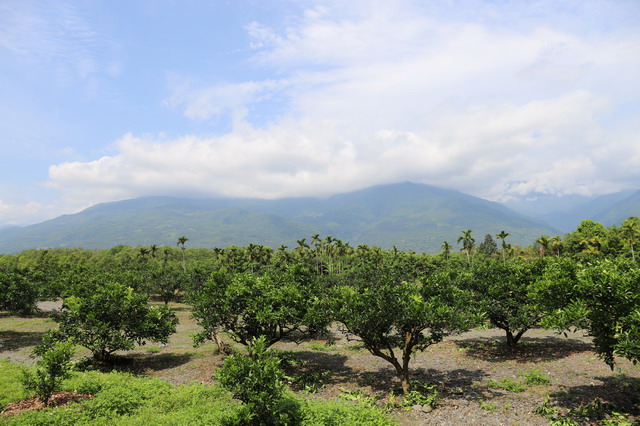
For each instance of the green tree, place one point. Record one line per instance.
(19, 292)
(543, 243)
(488, 247)
(468, 243)
(609, 307)
(555, 244)
(181, 243)
(50, 371)
(275, 305)
(502, 236)
(588, 239)
(111, 317)
(258, 381)
(518, 294)
(167, 280)
(630, 231)
(394, 317)
(446, 250)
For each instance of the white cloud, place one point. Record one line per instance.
(23, 214)
(213, 101)
(391, 93)
(56, 35)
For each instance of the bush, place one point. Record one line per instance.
(49, 373)
(18, 294)
(275, 305)
(421, 394)
(113, 317)
(123, 399)
(258, 382)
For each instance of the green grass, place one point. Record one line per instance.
(507, 384)
(487, 406)
(535, 377)
(10, 387)
(124, 399)
(323, 347)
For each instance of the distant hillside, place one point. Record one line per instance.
(409, 216)
(610, 209)
(621, 210)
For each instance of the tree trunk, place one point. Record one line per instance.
(512, 340)
(222, 346)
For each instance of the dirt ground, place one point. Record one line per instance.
(464, 368)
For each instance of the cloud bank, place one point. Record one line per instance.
(498, 102)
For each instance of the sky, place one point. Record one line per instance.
(505, 100)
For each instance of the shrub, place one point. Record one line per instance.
(18, 294)
(49, 373)
(257, 381)
(275, 305)
(421, 394)
(113, 317)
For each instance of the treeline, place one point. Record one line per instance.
(395, 302)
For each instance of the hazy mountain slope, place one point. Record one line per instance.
(620, 211)
(607, 209)
(410, 216)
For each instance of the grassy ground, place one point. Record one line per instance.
(479, 380)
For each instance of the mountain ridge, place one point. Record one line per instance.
(408, 215)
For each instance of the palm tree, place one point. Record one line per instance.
(302, 244)
(503, 236)
(143, 253)
(592, 245)
(544, 242)
(556, 244)
(446, 249)
(630, 230)
(181, 242)
(467, 243)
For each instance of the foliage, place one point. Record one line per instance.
(50, 371)
(123, 399)
(257, 381)
(507, 384)
(611, 301)
(247, 306)
(535, 377)
(588, 241)
(390, 314)
(359, 397)
(112, 317)
(487, 406)
(19, 291)
(517, 294)
(488, 247)
(421, 394)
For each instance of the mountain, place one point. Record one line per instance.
(407, 215)
(620, 211)
(610, 209)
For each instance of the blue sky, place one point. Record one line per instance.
(107, 100)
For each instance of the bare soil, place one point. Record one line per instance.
(57, 399)
(462, 367)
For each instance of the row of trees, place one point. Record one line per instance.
(395, 302)
(590, 240)
(394, 305)
(167, 270)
